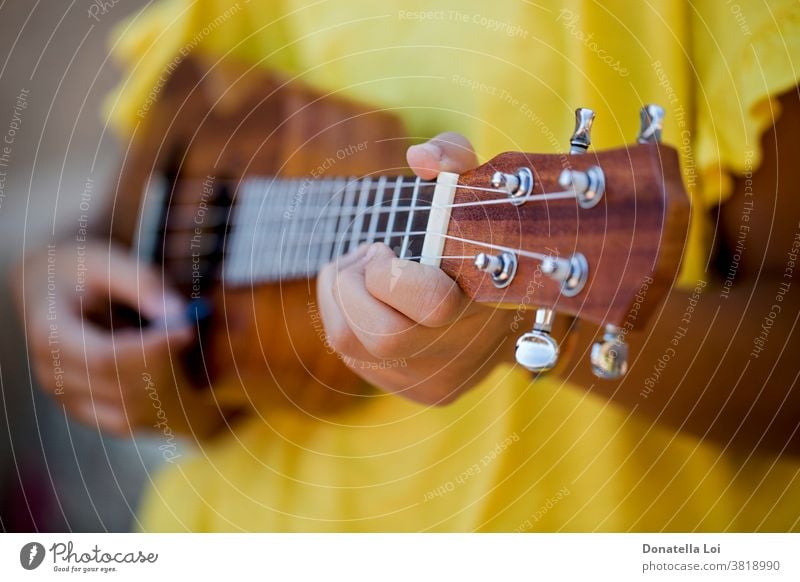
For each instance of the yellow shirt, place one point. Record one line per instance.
(508, 75)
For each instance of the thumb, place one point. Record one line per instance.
(142, 287)
(447, 152)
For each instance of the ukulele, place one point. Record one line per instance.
(242, 195)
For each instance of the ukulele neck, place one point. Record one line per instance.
(262, 229)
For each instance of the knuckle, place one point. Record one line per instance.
(385, 346)
(103, 362)
(343, 340)
(345, 285)
(438, 303)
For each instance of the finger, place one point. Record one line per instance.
(420, 292)
(159, 337)
(137, 285)
(338, 334)
(109, 418)
(88, 349)
(447, 152)
(382, 330)
(351, 258)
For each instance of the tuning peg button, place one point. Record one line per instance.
(609, 355)
(582, 136)
(536, 350)
(589, 186)
(651, 124)
(501, 267)
(572, 273)
(517, 186)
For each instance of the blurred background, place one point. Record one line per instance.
(56, 475)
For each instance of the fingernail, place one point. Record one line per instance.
(432, 148)
(372, 250)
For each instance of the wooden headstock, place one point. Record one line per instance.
(634, 233)
(585, 235)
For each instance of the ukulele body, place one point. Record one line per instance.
(215, 126)
(262, 345)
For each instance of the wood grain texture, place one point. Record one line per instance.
(231, 123)
(266, 347)
(637, 231)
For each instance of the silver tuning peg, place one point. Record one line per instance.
(588, 186)
(571, 272)
(582, 136)
(517, 186)
(537, 350)
(501, 267)
(609, 355)
(652, 123)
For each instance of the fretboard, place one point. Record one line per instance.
(283, 229)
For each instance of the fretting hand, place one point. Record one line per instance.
(405, 327)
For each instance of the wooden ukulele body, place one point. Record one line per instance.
(265, 345)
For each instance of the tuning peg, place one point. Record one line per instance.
(572, 273)
(652, 123)
(517, 186)
(501, 267)
(609, 355)
(589, 186)
(537, 350)
(582, 136)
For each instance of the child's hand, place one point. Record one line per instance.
(405, 327)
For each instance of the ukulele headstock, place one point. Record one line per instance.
(583, 233)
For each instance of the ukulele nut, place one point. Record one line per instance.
(501, 267)
(572, 273)
(517, 186)
(589, 186)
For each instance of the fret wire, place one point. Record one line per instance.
(261, 198)
(343, 223)
(243, 263)
(232, 244)
(275, 203)
(358, 222)
(325, 254)
(393, 209)
(287, 233)
(253, 199)
(298, 260)
(409, 223)
(373, 223)
(253, 216)
(318, 228)
(294, 258)
(301, 255)
(260, 203)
